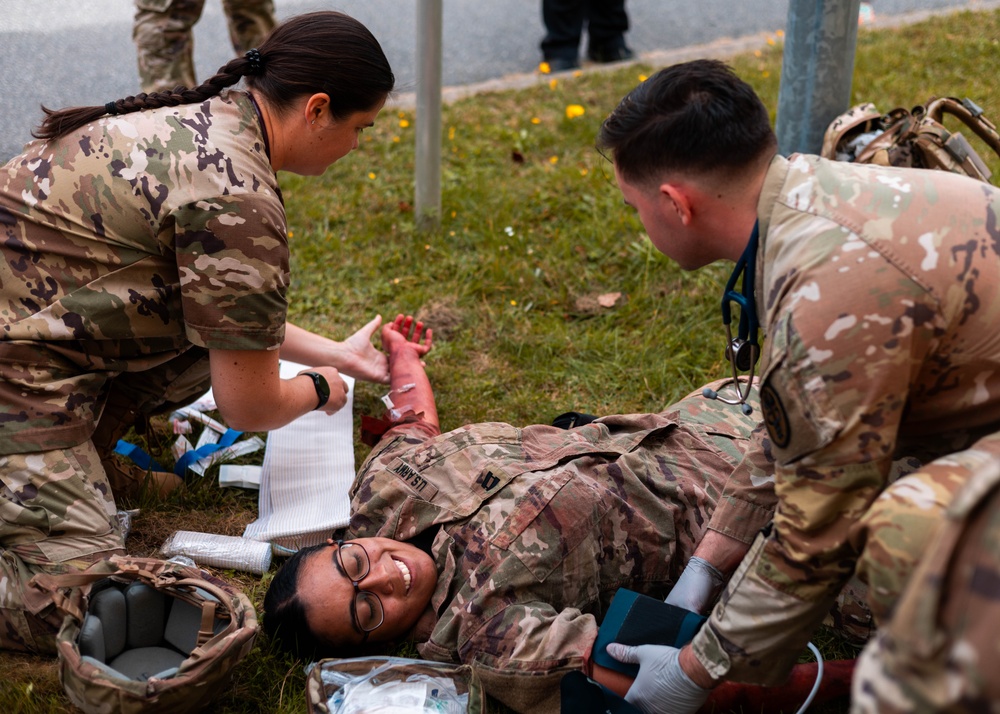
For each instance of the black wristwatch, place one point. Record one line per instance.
(322, 388)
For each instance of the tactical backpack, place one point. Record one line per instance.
(915, 137)
(142, 635)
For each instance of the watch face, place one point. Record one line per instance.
(322, 388)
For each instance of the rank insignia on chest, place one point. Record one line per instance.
(487, 480)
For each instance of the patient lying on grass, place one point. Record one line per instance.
(502, 547)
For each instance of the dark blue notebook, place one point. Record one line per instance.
(636, 619)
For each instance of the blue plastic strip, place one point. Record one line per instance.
(139, 456)
(201, 452)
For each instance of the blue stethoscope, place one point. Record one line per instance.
(743, 351)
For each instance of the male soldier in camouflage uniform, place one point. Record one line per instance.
(531, 531)
(164, 37)
(879, 291)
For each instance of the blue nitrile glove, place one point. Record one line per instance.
(697, 586)
(661, 685)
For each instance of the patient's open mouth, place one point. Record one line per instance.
(405, 571)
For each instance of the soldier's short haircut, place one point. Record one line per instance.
(695, 118)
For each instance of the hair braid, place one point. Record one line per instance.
(319, 52)
(60, 122)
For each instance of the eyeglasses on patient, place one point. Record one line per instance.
(366, 607)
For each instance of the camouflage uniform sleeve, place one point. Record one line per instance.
(539, 645)
(748, 500)
(833, 393)
(232, 257)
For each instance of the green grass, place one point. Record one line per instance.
(532, 232)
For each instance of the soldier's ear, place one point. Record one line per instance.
(317, 106)
(681, 198)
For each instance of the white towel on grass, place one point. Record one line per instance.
(307, 473)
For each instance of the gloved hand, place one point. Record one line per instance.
(696, 587)
(661, 685)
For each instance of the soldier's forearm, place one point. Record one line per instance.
(721, 551)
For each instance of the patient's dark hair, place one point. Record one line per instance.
(285, 615)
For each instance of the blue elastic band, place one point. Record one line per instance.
(143, 460)
(201, 452)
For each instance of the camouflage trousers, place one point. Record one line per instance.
(938, 652)
(57, 514)
(162, 32)
(57, 509)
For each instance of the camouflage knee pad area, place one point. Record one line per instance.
(56, 515)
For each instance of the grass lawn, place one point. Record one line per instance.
(544, 293)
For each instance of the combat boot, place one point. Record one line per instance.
(125, 476)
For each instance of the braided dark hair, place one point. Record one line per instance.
(307, 54)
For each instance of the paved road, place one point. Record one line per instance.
(66, 52)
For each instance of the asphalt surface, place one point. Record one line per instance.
(61, 53)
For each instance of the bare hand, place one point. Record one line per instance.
(406, 333)
(369, 364)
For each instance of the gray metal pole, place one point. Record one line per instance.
(820, 40)
(428, 178)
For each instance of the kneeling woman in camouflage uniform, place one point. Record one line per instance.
(501, 547)
(145, 255)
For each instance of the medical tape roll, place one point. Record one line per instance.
(220, 551)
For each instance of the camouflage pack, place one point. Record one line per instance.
(913, 138)
(346, 686)
(147, 635)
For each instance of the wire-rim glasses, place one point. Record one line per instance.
(366, 607)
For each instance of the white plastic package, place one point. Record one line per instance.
(220, 551)
(372, 693)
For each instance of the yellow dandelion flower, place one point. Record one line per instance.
(395, 140)
(454, 213)
(404, 123)
(427, 246)
(757, 53)
(780, 33)
(513, 302)
(643, 77)
(395, 281)
(770, 41)
(578, 73)
(553, 159)
(544, 68)
(402, 115)
(536, 120)
(553, 83)
(451, 133)
(574, 110)
(290, 234)
(371, 175)
(765, 74)
(584, 172)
